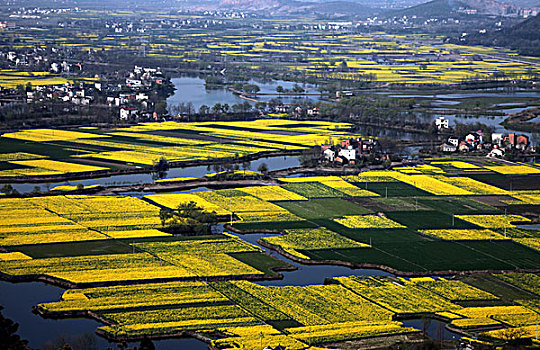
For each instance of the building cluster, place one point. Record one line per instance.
(77, 94)
(500, 143)
(130, 94)
(349, 151)
(297, 111)
(132, 97)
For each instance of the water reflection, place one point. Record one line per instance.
(273, 163)
(307, 274)
(434, 329)
(18, 299)
(193, 90)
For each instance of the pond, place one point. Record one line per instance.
(18, 299)
(193, 89)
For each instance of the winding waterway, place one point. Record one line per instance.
(273, 163)
(19, 298)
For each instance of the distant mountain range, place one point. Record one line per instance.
(330, 8)
(335, 8)
(434, 8)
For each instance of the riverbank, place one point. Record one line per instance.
(146, 170)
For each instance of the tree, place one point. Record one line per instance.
(217, 108)
(203, 109)
(279, 89)
(9, 339)
(246, 106)
(9, 190)
(188, 219)
(246, 165)
(146, 344)
(161, 108)
(251, 88)
(297, 88)
(263, 168)
(160, 168)
(310, 157)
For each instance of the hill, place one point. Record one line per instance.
(455, 8)
(288, 7)
(522, 37)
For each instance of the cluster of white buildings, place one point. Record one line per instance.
(349, 151)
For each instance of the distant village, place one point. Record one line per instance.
(475, 141)
(132, 94)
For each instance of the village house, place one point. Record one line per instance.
(127, 113)
(441, 123)
(313, 112)
(329, 155)
(348, 153)
(446, 147)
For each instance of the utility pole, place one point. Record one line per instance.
(231, 209)
(536, 326)
(261, 340)
(505, 222)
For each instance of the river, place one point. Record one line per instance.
(273, 163)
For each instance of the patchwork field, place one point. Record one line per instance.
(51, 152)
(234, 314)
(113, 250)
(320, 55)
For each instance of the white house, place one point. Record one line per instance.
(452, 140)
(141, 97)
(329, 155)
(448, 148)
(133, 83)
(125, 113)
(495, 153)
(441, 123)
(348, 153)
(497, 138)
